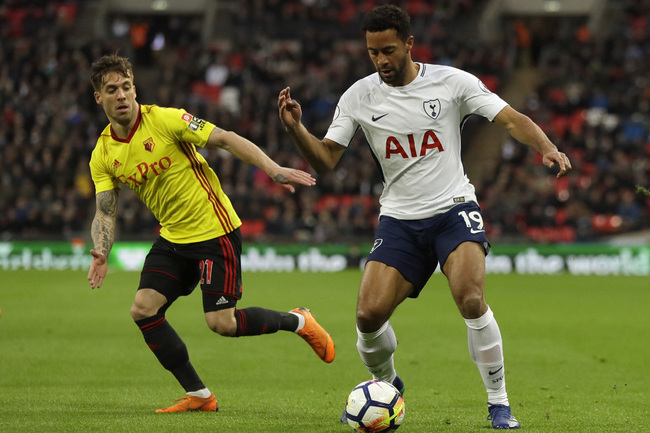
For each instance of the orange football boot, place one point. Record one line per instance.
(316, 336)
(191, 403)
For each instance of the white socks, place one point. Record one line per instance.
(486, 350)
(485, 347)
(203, 393)
(301, 321)
(376, 350)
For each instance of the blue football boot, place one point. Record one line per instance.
(501, 417)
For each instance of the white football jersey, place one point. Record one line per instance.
(414, 132)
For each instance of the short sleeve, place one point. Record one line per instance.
(186, 127)
(344, 125)
(474, 97)
(101, 175)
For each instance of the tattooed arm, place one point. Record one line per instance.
(103, 234)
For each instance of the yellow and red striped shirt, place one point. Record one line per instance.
(159, 162)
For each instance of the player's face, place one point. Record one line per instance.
(117, 97)
(390, 55)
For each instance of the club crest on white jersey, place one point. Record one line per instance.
(414, 133)
(432, 108)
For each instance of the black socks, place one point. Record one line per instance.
(170, 350)
(258, 321)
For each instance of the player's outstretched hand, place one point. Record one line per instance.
(289, 109)
(551, 158)
(98, 269)
(288, 176)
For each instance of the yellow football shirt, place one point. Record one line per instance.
(159, 162)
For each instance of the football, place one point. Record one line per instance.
(375, 406)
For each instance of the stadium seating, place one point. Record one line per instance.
(592, 100)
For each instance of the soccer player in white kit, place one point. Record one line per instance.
(412, 114)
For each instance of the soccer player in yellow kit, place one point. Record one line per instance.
(151, 150)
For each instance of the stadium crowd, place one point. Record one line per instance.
(593, 101)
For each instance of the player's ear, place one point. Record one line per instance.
(135, 94)
(409, 43)
(98, 98)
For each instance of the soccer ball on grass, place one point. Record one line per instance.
(374, 406)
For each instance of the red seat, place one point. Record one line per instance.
(606, 223)
(206, 91)
(252, 228)
(563, 234)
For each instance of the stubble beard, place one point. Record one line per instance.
(398, 77)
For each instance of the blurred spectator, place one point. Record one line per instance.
(593, 101)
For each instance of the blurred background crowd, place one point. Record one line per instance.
(589, 89)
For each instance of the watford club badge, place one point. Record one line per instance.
(149, 144)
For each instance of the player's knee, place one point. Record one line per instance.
(141, 311)
(222, 324)
(370, 319)
(147, 303)
(471, 304)
(223, 328)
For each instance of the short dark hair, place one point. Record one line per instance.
(386, 17)
(106, 64)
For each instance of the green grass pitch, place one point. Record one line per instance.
(71, 360)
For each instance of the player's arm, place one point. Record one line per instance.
(524, 130)
(103, 233)
(248, 152)
(322, 155)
